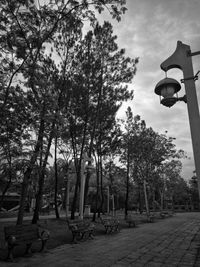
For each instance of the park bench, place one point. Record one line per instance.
(45, 209)
(110, 224)
(130, 220)
(16, 235)
(151, 218)
(81, 229)
(165, 213)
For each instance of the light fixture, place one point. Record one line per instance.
(182, 59)
(167, 89)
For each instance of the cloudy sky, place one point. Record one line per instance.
(150, 30)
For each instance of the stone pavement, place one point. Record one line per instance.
(169, 242)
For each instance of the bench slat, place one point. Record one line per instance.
(111, 224)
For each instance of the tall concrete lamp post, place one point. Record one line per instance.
(168, 89)
(82, 188)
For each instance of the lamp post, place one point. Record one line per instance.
(113, 205)
(182, 59)
(82, 188)
(108, 199)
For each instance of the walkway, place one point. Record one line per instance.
(170, 242)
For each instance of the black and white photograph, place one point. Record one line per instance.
(99, 133)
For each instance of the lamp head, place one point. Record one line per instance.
(166, 89)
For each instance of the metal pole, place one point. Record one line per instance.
(113, 205)
(108, 200)
(82, 189)
(181, 59)
(67, 198)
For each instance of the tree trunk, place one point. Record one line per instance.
(3, 193)
(97, 193)
(56, 177)
(38, 198)
(162, 200)
(146, 198)
(42, 175)
(113, 205)
(10, 178)
(67, 198)
(95, 124)
(108, 200)
(101, 182)
(29, 170)
(127, 184)
(154, 200)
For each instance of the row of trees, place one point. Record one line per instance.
(58, 86)
(60, 90)
(163, 192)
(143, 171)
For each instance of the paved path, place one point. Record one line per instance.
(170, 242)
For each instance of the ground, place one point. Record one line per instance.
(173, 241)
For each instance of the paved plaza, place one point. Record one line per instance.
(169, 242)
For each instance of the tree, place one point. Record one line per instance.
(169, 175)
(27, 32)
(14, 133)
(144, 151)
(99, 88)
(132, 128)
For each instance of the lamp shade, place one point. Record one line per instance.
(167, 87)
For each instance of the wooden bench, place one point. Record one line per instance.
(111, 224)
(45, 209)
(151, 218)
(16, 235)
(81, 229)
(164, 214)
(130, 220)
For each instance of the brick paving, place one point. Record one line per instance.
(169, 242)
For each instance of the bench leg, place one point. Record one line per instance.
(82, 235)
(10, 254)
(74, 239)
(91, 234)
(28, 249)
(111, 229)
(77, 236)
(106, 228)
(44, 241)
(117, 228)
(131, 223)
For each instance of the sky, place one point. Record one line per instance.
(150, 30)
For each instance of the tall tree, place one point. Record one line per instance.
(27, 32)
(99, 88)
(132, 126)
(146, 151)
